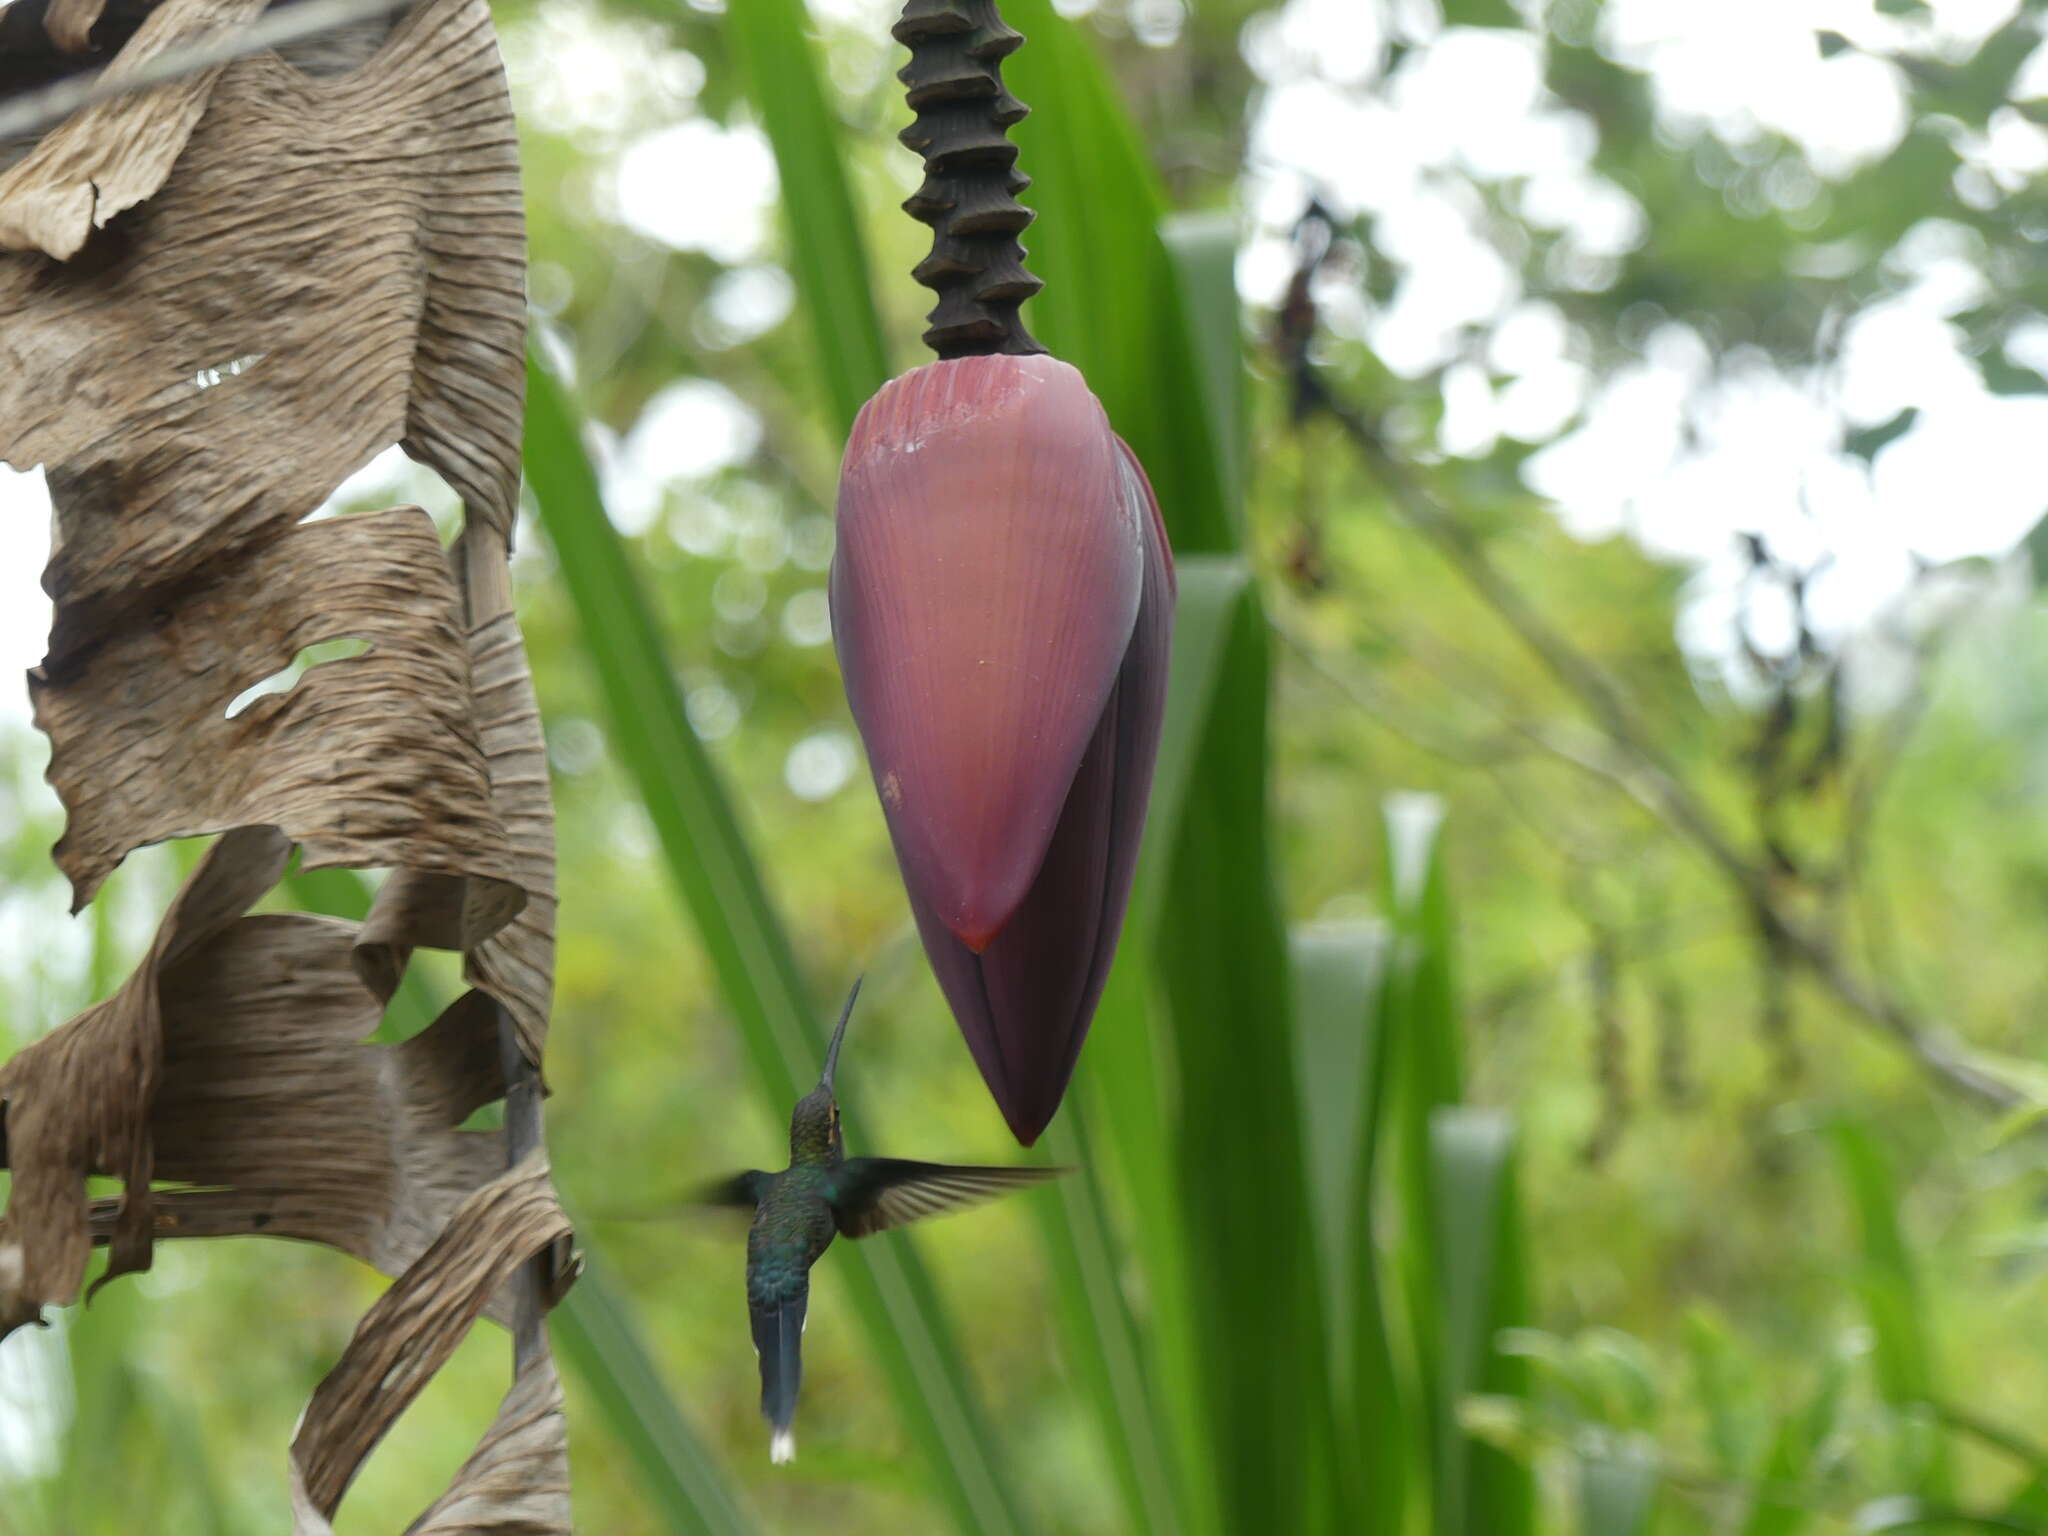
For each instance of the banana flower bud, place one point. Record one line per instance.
(1002, 604)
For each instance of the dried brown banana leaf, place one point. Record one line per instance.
(409, 1334)
(222, 297)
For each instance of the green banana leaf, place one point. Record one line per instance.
(1618, 1490)
(1257, 1305)
(1483, 1286)
(1463, 1261)
(827, 255)
(1896, 1308)
(1340, 1028)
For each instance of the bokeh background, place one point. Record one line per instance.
(1576, 1062)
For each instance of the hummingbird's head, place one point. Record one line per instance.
(814, 1126)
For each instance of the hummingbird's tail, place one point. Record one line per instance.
(778, 1340)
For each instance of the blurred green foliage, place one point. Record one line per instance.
(1465, 1163)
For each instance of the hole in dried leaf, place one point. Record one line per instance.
(431, 975)
(412, 1465)
(288, 678)
(486, 1117)
(392, 479)
(220, 373)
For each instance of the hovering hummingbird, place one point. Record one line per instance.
(821, 1194)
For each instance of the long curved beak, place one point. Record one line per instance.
(838, 1034)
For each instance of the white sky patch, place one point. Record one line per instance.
(871, 16)
(2027, 345)
(24, 610)
(1471, 103)
(695, 186)
(1516, 133)
(392, 479)
(748, 302)
(1970, 477)
(689, 431)
(1301, 125)
(580, 72)
(1966, 479)
(1547, 386)
(1340, 41)
(1470, 427)
(820, 765)
(1896, 356)
(35, 1399)
(1960, 25)
(1741, 66)
(2031, 84)
(1453, 279)
(2010, 153)
(1593, 214)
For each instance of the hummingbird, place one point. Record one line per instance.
(820, 1195)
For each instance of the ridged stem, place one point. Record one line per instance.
(954, 83)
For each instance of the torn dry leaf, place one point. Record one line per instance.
(109, 157)
(410, 1333)
(370, 760)
(78, 1099)
(245, 1037)
(288, 1124)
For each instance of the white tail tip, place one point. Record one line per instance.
(782, 1448)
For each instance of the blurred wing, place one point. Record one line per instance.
(742, 1189)
(741, 1192)
(877, 1193)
